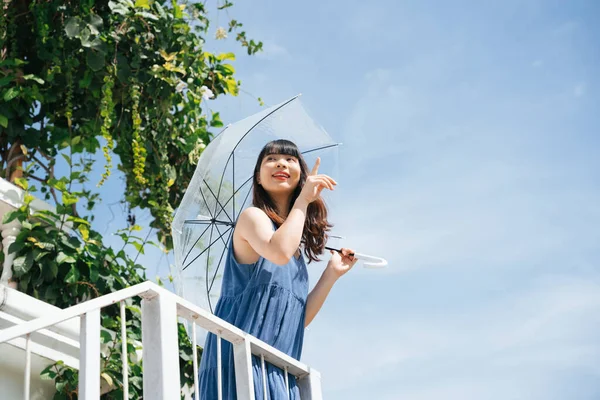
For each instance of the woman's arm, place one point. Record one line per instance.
(336, 267)
(255, 226)
(317, 296)
(279, 247)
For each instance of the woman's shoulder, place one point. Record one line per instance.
(253, 215)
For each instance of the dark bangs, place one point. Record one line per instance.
(281, 146)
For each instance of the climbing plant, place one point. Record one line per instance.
(129, 78)
(121, 84)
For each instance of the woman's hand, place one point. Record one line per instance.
(339, 264)
(315, 183)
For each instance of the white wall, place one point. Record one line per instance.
(12, 378)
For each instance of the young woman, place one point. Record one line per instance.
(265, 281)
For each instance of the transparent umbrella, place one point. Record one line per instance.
(221, 189)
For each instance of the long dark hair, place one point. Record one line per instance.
(316, 226)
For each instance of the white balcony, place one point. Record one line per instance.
(34, 334)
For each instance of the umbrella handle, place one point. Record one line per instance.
(368, 261)
(371, 261)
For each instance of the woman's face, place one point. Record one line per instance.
(279, 173)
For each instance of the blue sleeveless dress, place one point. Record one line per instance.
(267, 301)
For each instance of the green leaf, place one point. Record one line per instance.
(22, 265)
(231, 86)
(171, 175)
(11, 93)
(142, 4)
(78, 220)
(28, 198)
(50, 271)
(39, 255)
(69, 199)
(63, 258)
(6, 80)
(22, 183)
(216, 122)
(227, 69)
(31, 77)
(226, 56)
(96, 44)
(3, 121)
(95, 23)
(85, 232)
(58, 184)
(73, 27)
(139, 247)
(60, 385)
(86, 80)
(94, 273)
(16, 247)
(107, 378)
(227, 4)
(118, 8)
(105, 336)
(147, 15)
(95, 59)
(73, 275)
(10, 216)
(177, 9)
(67, 158)
(48, 373)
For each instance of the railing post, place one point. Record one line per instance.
(89, 356)
(310, 386)
(10, 232)
(160, 348)
(244, 381)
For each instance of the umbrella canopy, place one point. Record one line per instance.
(221, 189)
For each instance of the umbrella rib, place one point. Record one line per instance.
(219, 263)
(206, 202)
(321, 148)
(217, 200)
(231, 154)
(206, 269)
(261, 120)
(194, 245)
(233, 196)
(240, 188)
(204, 221)
(217, 227)
(204, 251)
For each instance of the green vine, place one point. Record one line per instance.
(69, 97)
(3, 6)
(106, 112)
(11, 31)
(65, 268)
(133, 79)
(139, 149)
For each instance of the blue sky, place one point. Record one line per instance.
(471, 134)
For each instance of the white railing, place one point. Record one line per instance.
(160, 311)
